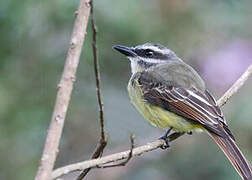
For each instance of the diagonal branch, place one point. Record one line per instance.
(148, 147)
(64, 92)
(235, 87)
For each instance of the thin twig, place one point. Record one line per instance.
(236, 86)
(96, 70)
(148, 147)
(97, 153)
(132, 144)
(103, 140)
(64, 93)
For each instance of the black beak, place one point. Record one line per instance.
(127, 51)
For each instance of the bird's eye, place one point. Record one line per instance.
(148, 52)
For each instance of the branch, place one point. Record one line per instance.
(97, 72)
(106, 159)
(103, 140)
(150, 146)
(64, 92)
(113, 157)
(235, 87)
(132, 143)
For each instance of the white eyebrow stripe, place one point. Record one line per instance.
(156, 49)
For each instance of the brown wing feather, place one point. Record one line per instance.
(203, 109)
(235, 156)
(192, 104)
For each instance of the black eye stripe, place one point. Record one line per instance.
(156, 55)
(140, 52)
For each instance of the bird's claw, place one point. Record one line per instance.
(166, 139)
(166, 144)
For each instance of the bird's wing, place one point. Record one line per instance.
(190, 103)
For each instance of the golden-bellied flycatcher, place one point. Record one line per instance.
(171, 95)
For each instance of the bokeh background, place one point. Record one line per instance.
(214, 36)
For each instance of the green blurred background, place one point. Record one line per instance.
(214, 36)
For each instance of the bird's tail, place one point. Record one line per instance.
(234, 155)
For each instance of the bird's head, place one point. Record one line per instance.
(147, 55)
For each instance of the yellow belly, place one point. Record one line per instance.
(157, 116)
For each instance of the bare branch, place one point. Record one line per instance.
(103, 139)
(132, 142)
(235, 87)
(148, 147)
(97, 153)
(106, 159)
(96, 70)
(64, 92)
(113, 157)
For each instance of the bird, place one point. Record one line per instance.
(171, 95)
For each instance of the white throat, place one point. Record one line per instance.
(135, 67)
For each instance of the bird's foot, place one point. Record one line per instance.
(166, 139)
(167, 143)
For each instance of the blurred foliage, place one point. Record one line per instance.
(213, 36)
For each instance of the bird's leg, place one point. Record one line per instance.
(166, 139)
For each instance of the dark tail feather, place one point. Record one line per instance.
(234, 155)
